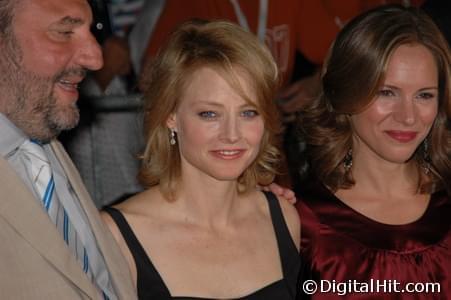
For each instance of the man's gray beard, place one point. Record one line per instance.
(28, 100)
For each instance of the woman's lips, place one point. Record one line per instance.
(402, 136)
(228, 154)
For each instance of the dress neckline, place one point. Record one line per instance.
(248, 296)
(336, 215)
(423, 219)
(374, 222)
(255, 293)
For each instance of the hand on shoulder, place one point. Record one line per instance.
(292, 219)
(281, 191)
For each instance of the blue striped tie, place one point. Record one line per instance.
(41, 175)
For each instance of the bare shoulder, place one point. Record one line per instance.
(124, 207)
(108, 220)
(128, 208)
(135, 210)
(292, 219)
(140, 204)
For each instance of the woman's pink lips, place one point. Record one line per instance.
(402, 136)
(228, 154)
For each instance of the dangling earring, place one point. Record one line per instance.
(172, 140)
(426, 157)
(347, 161)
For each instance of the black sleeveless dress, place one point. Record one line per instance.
(151, 285)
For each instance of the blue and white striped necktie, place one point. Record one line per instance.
(41, 175)
(44, 184)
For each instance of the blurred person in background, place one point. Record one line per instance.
(106, 144)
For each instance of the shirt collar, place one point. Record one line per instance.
(11, 137)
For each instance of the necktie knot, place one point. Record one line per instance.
(39, 170)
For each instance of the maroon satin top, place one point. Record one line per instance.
(340, 244)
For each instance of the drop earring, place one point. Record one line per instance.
(426, 157)
(347, 161)
(172, 140)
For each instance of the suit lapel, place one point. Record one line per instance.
(23, 212)
(115, 261)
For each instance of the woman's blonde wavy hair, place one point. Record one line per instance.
(226, 48)
(352, 75)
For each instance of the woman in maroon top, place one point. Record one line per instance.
(376, 225)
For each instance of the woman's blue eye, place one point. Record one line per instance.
(249, 113)
(207, 114)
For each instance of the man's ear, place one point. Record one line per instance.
(171, 122)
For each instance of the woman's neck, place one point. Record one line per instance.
(207, 201)
(375, 174)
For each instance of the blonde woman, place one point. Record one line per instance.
(201, 229)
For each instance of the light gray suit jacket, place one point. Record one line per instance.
(35, 263)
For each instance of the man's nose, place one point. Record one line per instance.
(90, 54)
